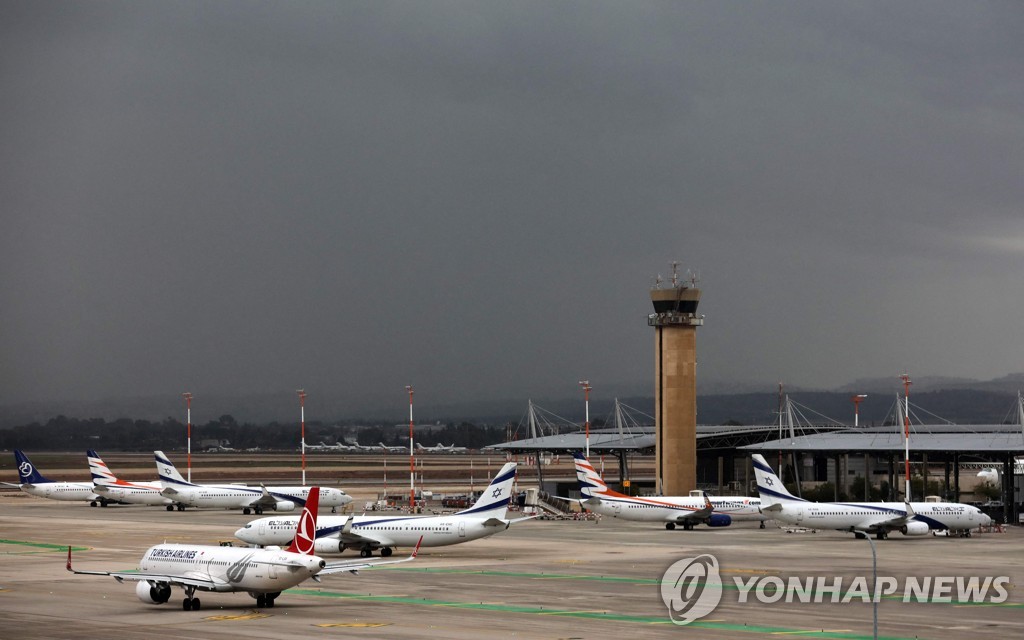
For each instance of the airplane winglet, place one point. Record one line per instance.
(415, 551)
(910, 510)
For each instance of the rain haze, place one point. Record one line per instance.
(238, 198)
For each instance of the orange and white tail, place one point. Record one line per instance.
(590, 481)
(305, 534)
(101, 474)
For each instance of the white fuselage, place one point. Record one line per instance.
(852, 516)
(671, 509)
(238, 497)
(232, 568)
(81, 491)
(385, 531)
(147, 493)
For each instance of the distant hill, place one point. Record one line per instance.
(959, 400)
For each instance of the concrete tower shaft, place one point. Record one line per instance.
(675, 323)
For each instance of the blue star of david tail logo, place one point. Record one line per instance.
(768, 481)
(496, 492)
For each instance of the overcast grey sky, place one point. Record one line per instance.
(475, 197)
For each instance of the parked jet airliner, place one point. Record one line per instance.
(335, 534)
(686, 511)
(234, 496)
(862, 518)
(263, 573)
(35, 484)
(106, 484)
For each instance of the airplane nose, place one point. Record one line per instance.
(241, 535)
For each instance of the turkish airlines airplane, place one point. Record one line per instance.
(862, 518)
(263, 573)
(233, 496)
(335, 534)
(685, 511)
(109, 486)
(35, 484)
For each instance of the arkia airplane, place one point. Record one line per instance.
(862, 518)
(234, 496)
(335, 534)
(35, 484)
(685, 511)
(263, 573)
(109, 486)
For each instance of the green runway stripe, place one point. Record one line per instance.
(43, 545)
(590, 615)
(725, 586)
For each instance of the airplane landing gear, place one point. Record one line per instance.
(881, 535)
(366, 552)
(762, 525)
(670, 526)
(246, 511)
(190, 603)
(385, 552)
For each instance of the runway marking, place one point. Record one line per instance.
(816, 631)
(252, 615)
(716, 625)
(41, 545)
(354, 625)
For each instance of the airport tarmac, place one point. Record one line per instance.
(539, 579)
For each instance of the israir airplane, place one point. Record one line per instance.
(862, 518)
(263, 573)
(34, 484)
(106, 484)
(685, 511)
(335, 534)
(232, 496)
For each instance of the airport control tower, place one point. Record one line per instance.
(675, 323)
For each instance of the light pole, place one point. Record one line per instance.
(857, 399)
(906, 433)
(188, 404)
(412, 463)
(585, 385)
(302, 408)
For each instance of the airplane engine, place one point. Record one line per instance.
(284, 505)
(153, 593)
(328, 545)
(719, 520)
(914, 529)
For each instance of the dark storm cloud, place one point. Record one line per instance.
(475, 197)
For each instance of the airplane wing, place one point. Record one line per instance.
(16, 486)
(498, 522)
(697, 515)
(889, 520)
(121, 576)
(353, 566)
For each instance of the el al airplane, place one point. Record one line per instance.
(263, 573)
(109, 486)
(233, 496)
(862, 518)
(35, 484)
(335, 534)
(686, 511)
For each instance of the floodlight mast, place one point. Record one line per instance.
(857, 399)
(412, 461)
(188, 404)
(302, 408)
(585, 385)
(906, 432)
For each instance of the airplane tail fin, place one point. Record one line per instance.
(101, 474)
(769, 485)
(26, 470)
(495, 498)
(305, 533)
(590, 481)
(166, 471)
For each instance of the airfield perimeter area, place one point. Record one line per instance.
(539, 579)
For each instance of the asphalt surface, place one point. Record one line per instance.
(539, 579)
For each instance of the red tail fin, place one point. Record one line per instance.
(305, 533)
